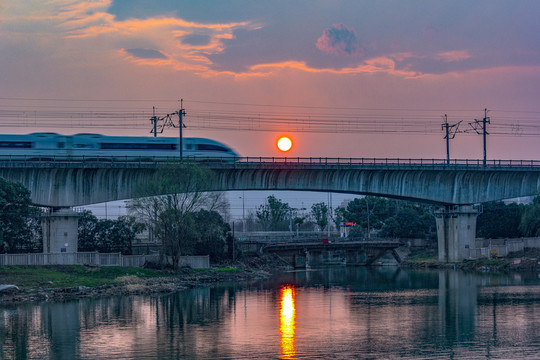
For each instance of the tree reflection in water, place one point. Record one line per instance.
(327, 313)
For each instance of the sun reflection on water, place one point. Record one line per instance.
(287, 324)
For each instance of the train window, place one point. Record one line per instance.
(211, 147)
(61, 145)
(137, 146)
(15, 144)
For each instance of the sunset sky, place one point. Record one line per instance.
(341, 78)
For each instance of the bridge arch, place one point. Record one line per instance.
(76, 184)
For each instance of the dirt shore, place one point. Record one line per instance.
(49, 288)
(525, 260)
(59, 283)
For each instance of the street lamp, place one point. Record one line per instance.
(243, 213)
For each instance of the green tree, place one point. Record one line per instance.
(370, 212)
(212, 234)
(176, 231)
(530, 220)
(273, 214)
(117, 235)
(107, 236)
(20, 229)
(357, 232)
(499, 220)
(410, 222)
(319, 212)
(181, 191)
(392, 218)
(263, 216)
(340, 214)
(298, 221)
(87, 231)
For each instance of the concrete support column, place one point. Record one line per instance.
(60, 231)
(456, 232)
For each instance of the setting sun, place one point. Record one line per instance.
(284, 143)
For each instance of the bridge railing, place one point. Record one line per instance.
(8, 161)
(94, 258)
(388, 162)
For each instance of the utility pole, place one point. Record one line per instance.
(485, 121)
(154, 120)
(329, 213)
(481, 124)
(450, 134)
(243, 213)
(181, 113)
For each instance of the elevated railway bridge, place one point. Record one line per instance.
(456, 186)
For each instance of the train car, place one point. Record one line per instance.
(87, 146)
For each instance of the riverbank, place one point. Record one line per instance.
(58, 283)
(524, 260)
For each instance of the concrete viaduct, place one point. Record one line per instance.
(455, 186)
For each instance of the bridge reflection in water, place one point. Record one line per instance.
(287, 321)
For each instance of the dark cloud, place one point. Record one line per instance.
(146, 53)
(340, 40)
(196, 39)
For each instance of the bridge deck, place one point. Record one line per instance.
(13, 161)
(333, 245)
(63, 183)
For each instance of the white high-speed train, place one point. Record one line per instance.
(87, 146)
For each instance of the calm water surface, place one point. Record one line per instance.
(337, 313)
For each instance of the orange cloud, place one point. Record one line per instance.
(375, 65)
(160, 34)
(165, 32)
(133, 26)
(82, 21)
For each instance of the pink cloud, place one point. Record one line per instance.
(340, 40)
(456, 55)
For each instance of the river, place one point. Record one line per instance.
(333, 313)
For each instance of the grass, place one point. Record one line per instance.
(423, 256)
(227, 269)
(34, 277)
(221, 269)
(492, 263)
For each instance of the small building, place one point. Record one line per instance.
(345, 227)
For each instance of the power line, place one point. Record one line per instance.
(251, 104)
(85, 100)
(421, 121)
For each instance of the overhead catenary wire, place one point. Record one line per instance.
(47, 113)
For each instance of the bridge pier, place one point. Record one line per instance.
(60, 231)
(456, 232)
(322, 257)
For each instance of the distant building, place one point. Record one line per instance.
(345, 227)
